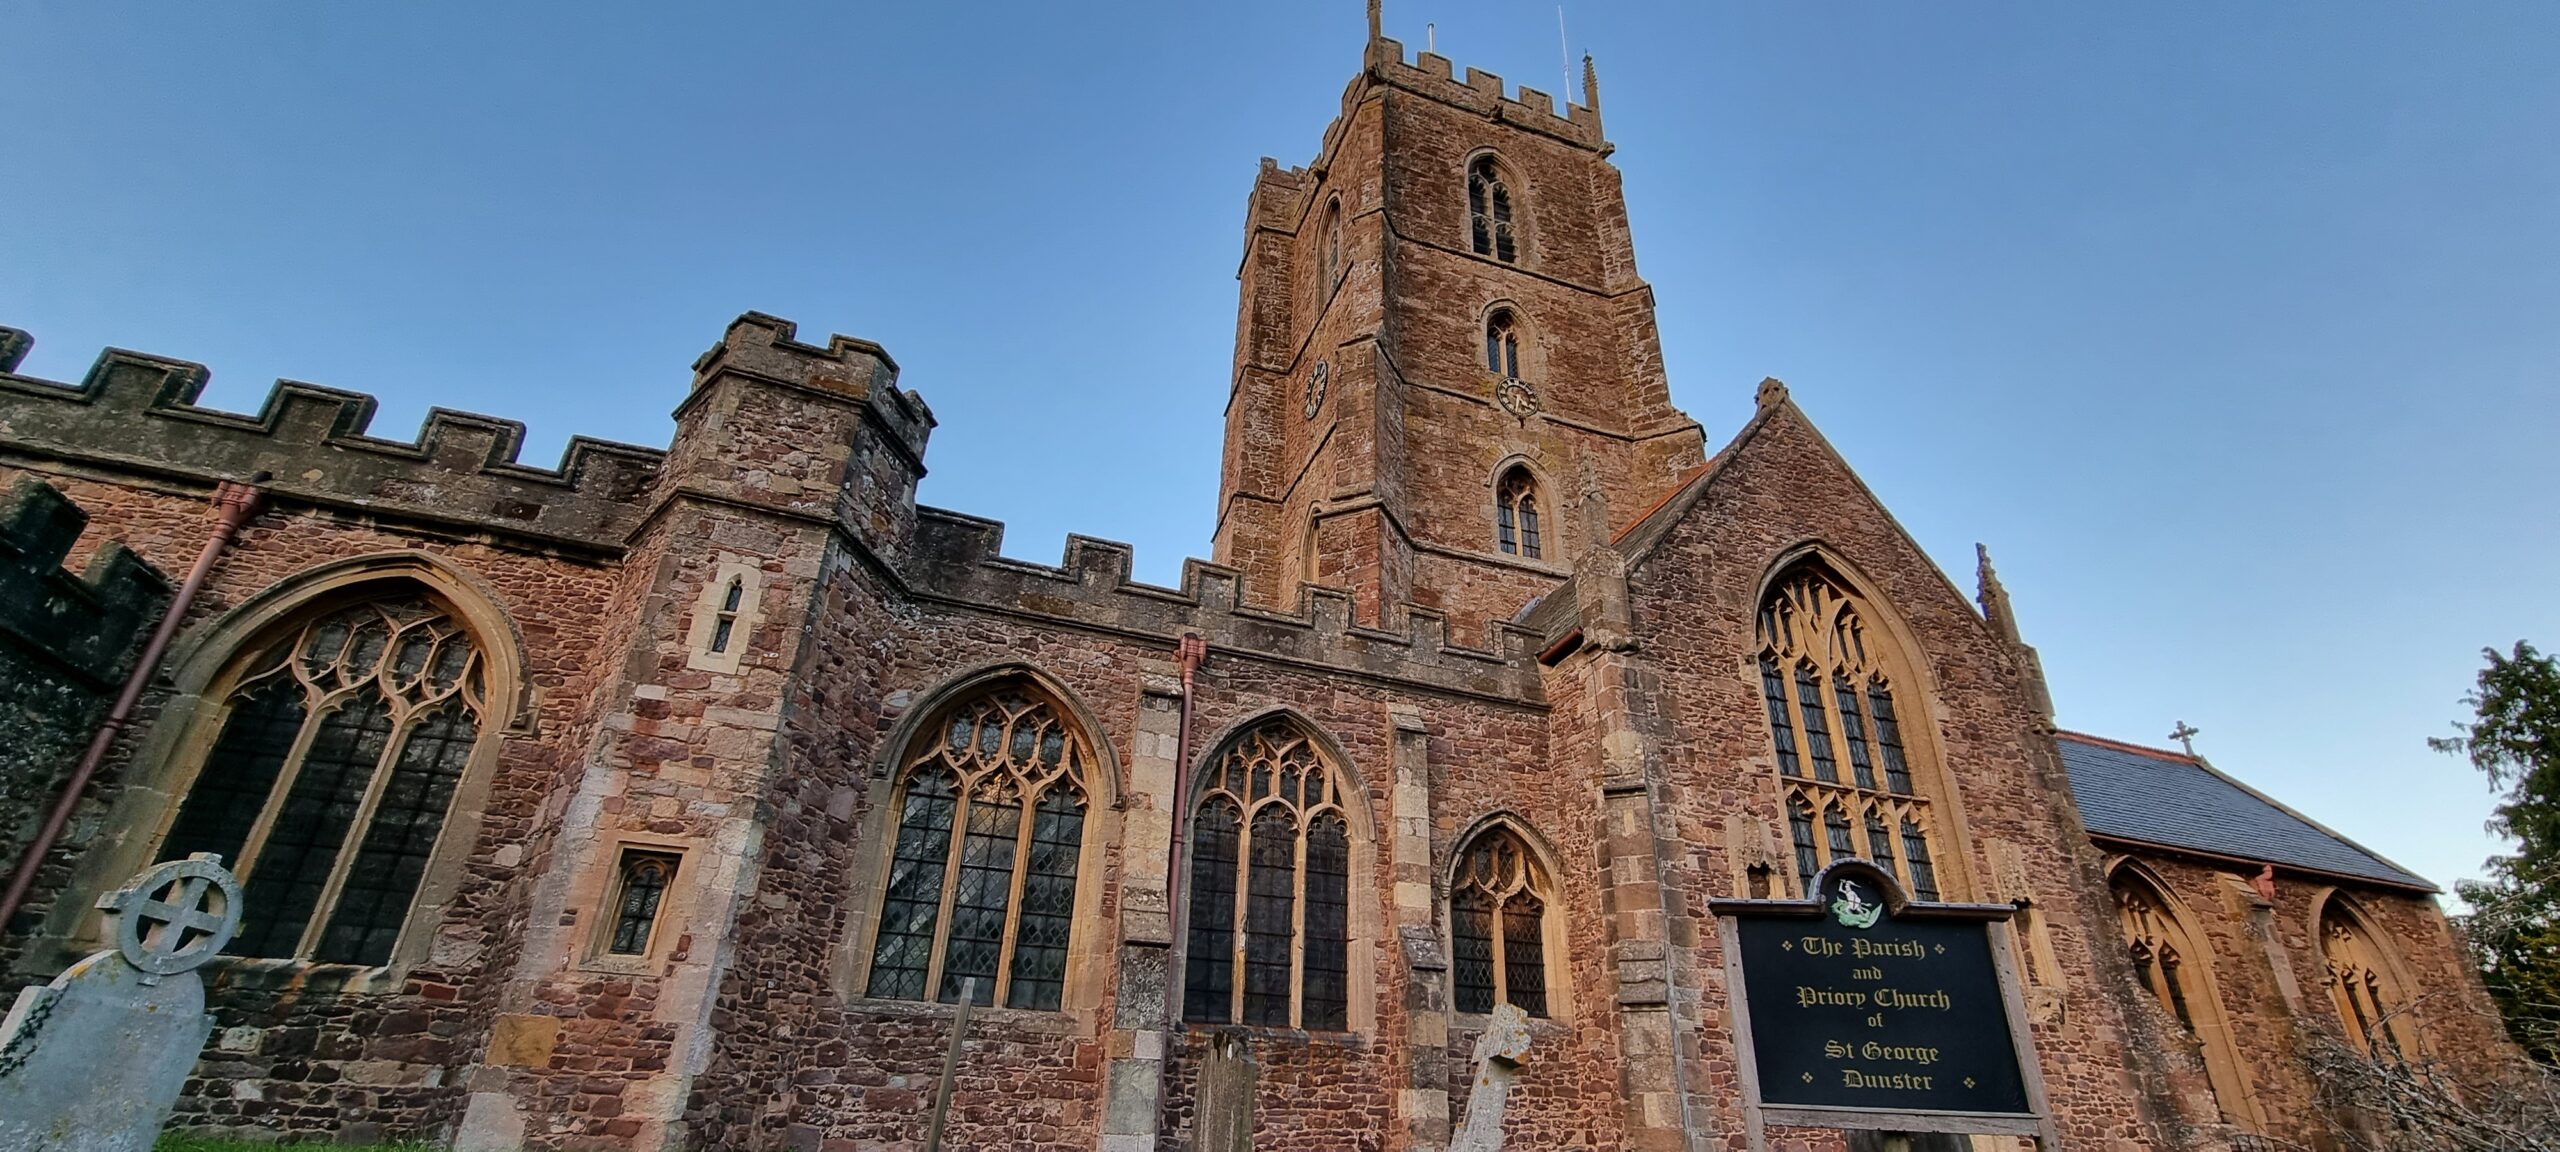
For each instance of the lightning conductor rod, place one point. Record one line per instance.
(1564, 59)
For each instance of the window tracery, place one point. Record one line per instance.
(1502, 344)
(1830, 703)
(2369, 1001)
(1497, 926)
(1489, 211)
(1269, 936)
(1516, 515)
(344, 741)
(982, 878)
(2171, 970)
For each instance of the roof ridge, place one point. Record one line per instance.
(2128, 746)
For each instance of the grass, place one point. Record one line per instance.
(176, 1142)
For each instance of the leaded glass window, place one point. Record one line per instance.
(1516, 515)
(1830, 701)
(982, 878)
(640, 889)
(1497, 926)
(343, 741)
(1489, 212)
(1269, 937)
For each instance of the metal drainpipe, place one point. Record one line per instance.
(1189, 653)
(238, 502)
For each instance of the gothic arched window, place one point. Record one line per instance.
(1329, 257)
(1842, 763)
(2368, 999)
(2171, 967)
(1515, 515)
(1489, 211)
(1269, 939)
(344, 737)
(982, 883)
(1498, 925)
(1502, 344)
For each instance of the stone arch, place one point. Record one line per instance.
(2196, 1003)
(203, 670)
(1093, 766)
(2370, 990)
(1208, 880)
(1895, 655)
(1547, 881)
(1485, 163)
(1552, 528)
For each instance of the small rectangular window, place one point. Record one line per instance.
(640, 887)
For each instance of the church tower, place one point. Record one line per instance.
(1447, 383)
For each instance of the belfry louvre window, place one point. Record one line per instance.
(342, 744)
(1515, 515)
(1842, 765)
(991, 810)
(2369, 1001)
(1489, 211)
(1497, 927)
(1502, 345)
(1269, 939)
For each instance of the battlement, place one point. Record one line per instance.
(137, 413)
(764, 347)
(85, 623)
(1431, 75)
(958, 557)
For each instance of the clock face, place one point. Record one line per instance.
(1517, 398)
(1316, 382)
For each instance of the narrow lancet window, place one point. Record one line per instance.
(641, 888)
(1489, 212)
(1502, 345)
(1515, 514)
(727, 620)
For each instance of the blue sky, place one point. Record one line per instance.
(2231, 328)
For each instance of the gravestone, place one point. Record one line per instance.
(1498, 1053)
(1223, 1109)
(92, 1062)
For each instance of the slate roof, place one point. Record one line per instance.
(2168, 799)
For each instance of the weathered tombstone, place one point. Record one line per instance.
(1498, 1053)
(1222, 1111)
(93, 1062)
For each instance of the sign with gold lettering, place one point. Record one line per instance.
(1859, 1006)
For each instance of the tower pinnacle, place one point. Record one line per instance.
(1377, 18)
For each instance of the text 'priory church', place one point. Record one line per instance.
(674, 799)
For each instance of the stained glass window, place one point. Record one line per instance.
(982, 880)
(344, 739)
(1287, 962)
(1828, 702)
(1497, 927)
(642, 887)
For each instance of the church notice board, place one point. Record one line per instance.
(1860, 1010)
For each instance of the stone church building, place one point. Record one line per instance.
(674, 799)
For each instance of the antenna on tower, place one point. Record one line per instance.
(1430, 37)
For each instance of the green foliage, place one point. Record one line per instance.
(2514, 928)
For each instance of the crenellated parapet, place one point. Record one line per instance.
(137, 414)
(86, 624)
(1431, 75)
(958, 558)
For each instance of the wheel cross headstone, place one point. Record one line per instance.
(93, 1061)
(165, 926)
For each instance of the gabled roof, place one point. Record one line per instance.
(2171, 800)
